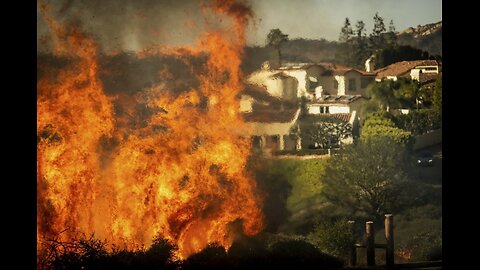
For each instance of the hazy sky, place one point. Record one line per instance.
(324, 18)
(134, 24)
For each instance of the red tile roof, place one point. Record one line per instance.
(328, 99)
(345, 117)
(400, 68)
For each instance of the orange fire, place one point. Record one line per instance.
(182, 176)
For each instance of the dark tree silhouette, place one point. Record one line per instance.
(275, 39)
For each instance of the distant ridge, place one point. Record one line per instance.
(425, 37)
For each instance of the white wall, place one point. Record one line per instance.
(341, 85)
(246, 103)
(301, 76)
(339, 109)
(332, 108)
(274, 87)
(415, 74)
(313, 109)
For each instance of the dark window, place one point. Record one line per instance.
(352, 86)
(364, 82)
(322, 110)
(326, 110)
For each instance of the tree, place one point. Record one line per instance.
(343, 54)
(381, 94)
(377, 38)
(437, 95)
(402, 93)
(391, 35)
(361, 50)
(346, 32)
(324, 132)
(366, 178)
(406, 91)
(275, 39)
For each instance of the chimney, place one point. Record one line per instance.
(369, 66)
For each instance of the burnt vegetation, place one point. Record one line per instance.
(259, 252)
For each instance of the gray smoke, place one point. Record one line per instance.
(123, 25)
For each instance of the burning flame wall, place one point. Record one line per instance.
(181, 177)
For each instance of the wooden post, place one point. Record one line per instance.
(389, 238)
(353, 249)
(370, 243)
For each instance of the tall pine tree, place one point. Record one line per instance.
(391, 35)
(360, 51)
(343, 54)
(377, 37)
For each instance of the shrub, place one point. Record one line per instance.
(213, 256)
(418, 239)
(298, 254)
(334, 238)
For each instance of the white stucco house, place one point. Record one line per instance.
(311, 80)
(269, 120)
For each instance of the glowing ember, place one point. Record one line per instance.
(185, 181)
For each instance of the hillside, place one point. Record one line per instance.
(425, 37)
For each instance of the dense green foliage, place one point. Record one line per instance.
(419, 122)
(437, 96)
(379, 125)
(399, 94)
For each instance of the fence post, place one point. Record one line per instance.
(389, 238)
(370, 243)
(353, 249)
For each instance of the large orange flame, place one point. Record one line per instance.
(185, 181)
